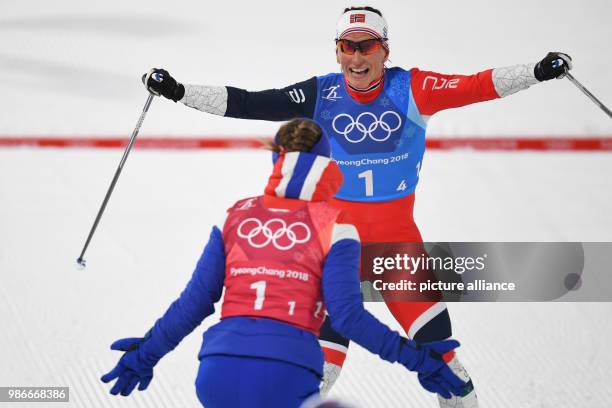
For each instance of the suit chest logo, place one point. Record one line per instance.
(274, 231)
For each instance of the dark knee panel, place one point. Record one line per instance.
(438, 328)
(329, 334)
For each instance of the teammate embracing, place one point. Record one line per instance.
(283, 259)
(376, 118)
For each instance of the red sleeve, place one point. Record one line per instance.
(434, 92)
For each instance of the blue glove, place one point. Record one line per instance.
(433, 373)
(438, 383)
(132, 368)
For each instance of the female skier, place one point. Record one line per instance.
(283, 259)
(376, 118)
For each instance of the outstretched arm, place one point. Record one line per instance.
(297, 100)
(342, 295)
(184, 314)
(293, 101)
(434, 92)
(197, 300)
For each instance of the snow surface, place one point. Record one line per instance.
(59, 321)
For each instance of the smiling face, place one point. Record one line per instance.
(358, 69)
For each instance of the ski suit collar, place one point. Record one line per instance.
(370, 93)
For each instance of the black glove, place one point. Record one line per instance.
(159, 82)
(554, 65)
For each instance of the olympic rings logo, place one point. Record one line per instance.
(367, 131)
(296, 233)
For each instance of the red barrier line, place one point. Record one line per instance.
(514, 143)
(570, 143)
(143, 143)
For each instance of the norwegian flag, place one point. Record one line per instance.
(357, 18)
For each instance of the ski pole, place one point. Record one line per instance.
(80, 260)
(589, 94)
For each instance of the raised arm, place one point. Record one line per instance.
(434, 92)
(297, 100)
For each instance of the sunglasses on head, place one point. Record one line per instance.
(365, 47)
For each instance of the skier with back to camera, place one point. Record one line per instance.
(283, 259)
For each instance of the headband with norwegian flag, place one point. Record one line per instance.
(362, 21)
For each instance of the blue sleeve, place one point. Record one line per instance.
(293, 101)
(342, 295)
(194, 304)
